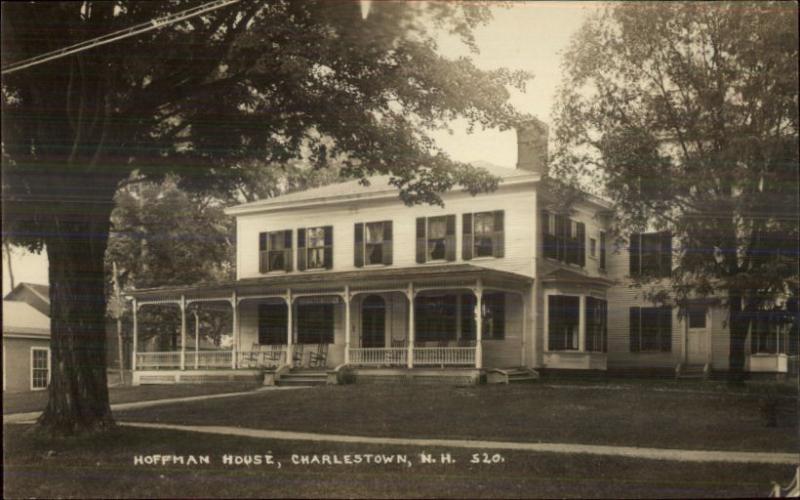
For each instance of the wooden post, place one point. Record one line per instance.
(235, 330)
(346, 324)
(582, 323)
(183, 332)
(410, 295)
(135, 336)
(479, 325)
(289, 329)
(523, 333)
(196, 340)
(118, 309)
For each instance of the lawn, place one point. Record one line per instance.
(36, 401)
(104, 468)
(625, 415)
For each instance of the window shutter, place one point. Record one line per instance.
(450, 239)
(634, 253)
(562, 237)
(421, 242)
(602, 250)
(358, 254)
(288, 251)
(666, 255)
(387, 243)
(498, 240)
(467, 239)
(634, 328)
(665, 329)
(328, 247)
(301, 249)
(581, 244)
(263, 261)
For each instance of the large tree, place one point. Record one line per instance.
(258, 80)
(687, 115)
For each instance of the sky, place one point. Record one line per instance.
(528, 36)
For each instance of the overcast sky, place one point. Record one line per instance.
(525, 35)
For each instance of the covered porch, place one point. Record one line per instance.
(446, 316)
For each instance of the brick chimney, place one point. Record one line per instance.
(532, 146)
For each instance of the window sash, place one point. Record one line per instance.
(563, 322)
(40, 368)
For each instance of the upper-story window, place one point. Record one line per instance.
(315, 248)
(593, 248)
(275, 251)
(436, 238)
(483, 235)
(563, 239)
(373, 243)
(602, 251)
(651, 254)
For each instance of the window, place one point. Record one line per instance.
(770, 333)
(563, 239)
(315, 323)
(436, 239)
(40, 367)
(650, 329)
(697, 316)
(651, 254)
(563, 313)
(602, 250)
(373, 243)
(483, 235)
(596, 325)
(436, 317)
(275, 251)
(315, 248)
(494, 316)
(593, 248)
(272, 324)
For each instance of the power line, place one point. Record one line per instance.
(118, 35)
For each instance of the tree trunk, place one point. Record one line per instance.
(78, 392)
(739, 325)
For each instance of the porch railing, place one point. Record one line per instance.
(379, 356)
(158, 360)
(444, 356)
(208, 360)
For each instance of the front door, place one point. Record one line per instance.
(697, 336)
(373, 322)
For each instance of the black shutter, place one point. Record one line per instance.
(263, 261)
(328, 257)
(358, 254)
(301, 249)
(666, 255)
(387, 243)
(450, 239)
(665, 328)
(581, 244)
(602, 250)
(498, 239)
(467, 239)
(421, 243)
(287, 251)
(562, 237)
(634, 328)
(634, 252)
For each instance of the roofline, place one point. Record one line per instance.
(275, 204)
(31, 287)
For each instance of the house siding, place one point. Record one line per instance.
(17, 362)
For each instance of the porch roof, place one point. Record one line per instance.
(561, 275)
(428, 276)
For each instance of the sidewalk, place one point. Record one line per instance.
(616, 451)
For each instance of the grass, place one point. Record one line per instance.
(36, 401)
(102, 467)
(634, 415)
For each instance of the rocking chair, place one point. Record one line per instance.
(320, 357)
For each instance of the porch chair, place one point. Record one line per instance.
(250, 358)
(393, 357)
(297, 355)
(274, 355)
(319, 357)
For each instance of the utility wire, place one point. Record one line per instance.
(118, 35)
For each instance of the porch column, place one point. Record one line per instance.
(523, 344)
(479, 325)
(135, 335)
(196, 339)
(410, 295)
(235, 332)
(289, 357)
(183, 332)
(346, 298)
(582, 323)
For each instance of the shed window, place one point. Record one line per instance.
(40, 367)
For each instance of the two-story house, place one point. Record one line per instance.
(347, 276)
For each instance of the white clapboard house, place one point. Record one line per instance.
(345, 281)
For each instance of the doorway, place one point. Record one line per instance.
(373, 322)
(697, 335)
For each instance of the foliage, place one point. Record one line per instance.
(687, 114)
